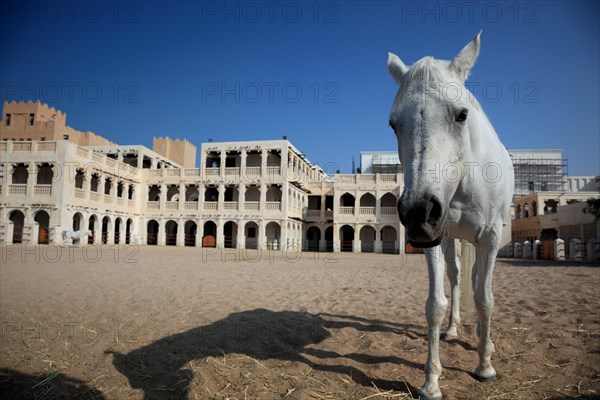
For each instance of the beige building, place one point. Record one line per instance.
(257, 194)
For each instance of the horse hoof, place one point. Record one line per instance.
(447, 336)
(431, 396)
(486, 379)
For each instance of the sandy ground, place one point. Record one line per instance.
(170, 323)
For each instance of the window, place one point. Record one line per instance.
(66, 137)
(31, 119)
(42, 139)
(7, 119)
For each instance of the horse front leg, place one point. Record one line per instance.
(484, 303)
(453, 264)
(434, 311)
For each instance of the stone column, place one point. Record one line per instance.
(221, 198)
(243, 155)
(31, 179)
(199, 233)
(356, 244)
(180, 239)
(220, 236)
(163, 196)
(336, 239)
(161, 239)
(181, 196)
(378, 242)
(241, 196)
(263, 162)
(223, 157)
(241, 238)
(261, 237)
(263, 197)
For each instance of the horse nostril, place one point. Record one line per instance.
(435, 212)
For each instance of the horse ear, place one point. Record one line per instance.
(464, 61)
(396, 68)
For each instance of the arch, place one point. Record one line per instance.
(329, 238)
(230, 235)
(211, 194)
(128, 230)
(209, 239)
(388, 200)
(95, 182)
(106, 228)
(79, 178)
(251, 235)
(346, 238)
(20, 175)
(171, 233)
(252, 193)
(313, 237)
(154, 193)
(347, 200)
(43, 220)
(367, 239)
(77, 221)
(108, 184)
(273, 193)
(389, 237)
(92, 227)
(152, 232)
(18, 219)
(117, 232)
(273, 233)
(45, 174)
(172, 193)
(367, 200)
(190, 228)
(192, 193)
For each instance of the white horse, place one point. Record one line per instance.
(458, 183)
(76, 236)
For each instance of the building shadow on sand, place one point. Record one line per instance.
(260, 334)
(17, 385)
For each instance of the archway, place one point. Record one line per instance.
(251, 235)
(152, 232)
(92, 228)
(117, 233)
(105, 229)
(18, 220)
(346, 238)
(43, 220)
(367, 239)
(389, 237)
(77, 220)
(313, 237)
(190, 229)
(210, 234)
(329, 238)
(171, 233)
(230, 235)
(128, 230)
(273, 233)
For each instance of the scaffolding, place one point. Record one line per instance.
(539, 173)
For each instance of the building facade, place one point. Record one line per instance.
(255, 194)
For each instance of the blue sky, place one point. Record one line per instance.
(313, 71)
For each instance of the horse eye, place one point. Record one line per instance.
(462, 116)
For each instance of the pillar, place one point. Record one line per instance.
(356, 244)
(180, 239)
(220, 236)
(336, 238)
(181, 196)
(161, 239)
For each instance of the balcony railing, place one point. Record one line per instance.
(273, 205)
(46, 146)
(230, 205)
(211, 205)
(232, 171)
(171, 205)
(79, 193)
(212, 172)
(388, 177)
(192, 172)
(108, 199)
(366, 210)
(252, 172)
(42, 190)
(251, 205)
(17, 188)
(347, 210)
(190, 205)
(95, 196)
(389, 211)
(313, 213)
(21, 146)
(153, 205)
(273, 171)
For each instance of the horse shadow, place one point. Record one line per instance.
(162, 369)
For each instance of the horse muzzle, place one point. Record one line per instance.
(423, 219)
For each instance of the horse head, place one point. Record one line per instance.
(432, 116)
